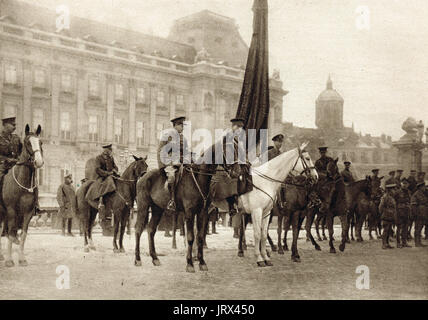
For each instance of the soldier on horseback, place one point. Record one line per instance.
(347, 174)
(172, 153)
(10, 149)
(272, 153)
(106, 169)
(233, 146)
(322, 162)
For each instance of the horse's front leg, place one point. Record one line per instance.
(174, 231)
(287, 223)
(202, 225)
(1, 232)
(124, 223)
(329, 222)
(345, 227)
(272, 245)
(242, 226)
(317, 226)
(295, 225)
(279, 230)
(12, 235)
(190, 239)
(264, 229)
(140, 224)
(92, 216)
(310, 215)
(151, 230)
(256, 217)
(115, 232)
(27, 218)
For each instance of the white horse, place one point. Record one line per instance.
(267, 180)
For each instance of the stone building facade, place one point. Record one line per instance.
(93, 84)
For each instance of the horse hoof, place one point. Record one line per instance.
(320, 239)
(244, 247)
(295, 259)
(116, 250)
(240, 254)
(137, 263)
(268, 263)
(86, 249)
(286, 249)
(325, 238)
(342, 247)
(195, 258)
(332, 250)
(23, 263)
(280, 251)
(156, 262)
(307, 240)
(261, 264)
(9, 263)
(205, 246)
(122, 250)
(347, 241)
(1, 257)
(274, 248)
(268, 254)
(203, 267)
(190, 269)
(318, 248)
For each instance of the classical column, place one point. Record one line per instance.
(153, 143)
(82, 93)
(56, 80)
(110, 109)
(28, 87)
(132, 116)
(1, 88)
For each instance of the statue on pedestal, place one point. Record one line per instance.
(411, 128)
(202, 56)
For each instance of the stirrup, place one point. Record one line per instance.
(171, 205)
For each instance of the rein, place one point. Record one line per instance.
(30, 163)
(34, 183)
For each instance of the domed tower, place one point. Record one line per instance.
(329, 108)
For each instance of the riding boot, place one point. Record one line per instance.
(171, 204)
(213, 228)
(101, 210)
(36, 204)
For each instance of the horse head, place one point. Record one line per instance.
(325, 192)
(333, 169)
(139, 167)
(304, 164)
(32, 147)
(376, 188)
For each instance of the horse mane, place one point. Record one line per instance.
(128, 171)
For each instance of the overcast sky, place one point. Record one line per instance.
(382, 73)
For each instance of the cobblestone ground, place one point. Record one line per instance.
(101, 274)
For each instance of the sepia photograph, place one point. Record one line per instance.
(226, 151)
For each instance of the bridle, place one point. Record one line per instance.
(29, 162)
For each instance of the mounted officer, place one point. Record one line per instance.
(273, 152)
(419, 203)
(10, 150)
(388, 211)
(347, 174)
(172, 153)
(322, 162)
(402, 198)
(106, 169)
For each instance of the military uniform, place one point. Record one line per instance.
(403, 213)
(388, 211)
(10, 149)
(419, 202)
(412, 183)
(273, 152)
(321, 164)
(347, 176)
(66, 197)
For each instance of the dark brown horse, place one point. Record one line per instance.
(18, 198)
(337, 206)
(358, 195)
(120, 202)
(191, 197)
(374, 216)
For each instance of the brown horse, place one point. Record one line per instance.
(374, 216)
(192, 198)
(120, 202)
(18, 198)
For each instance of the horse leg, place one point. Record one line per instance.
(317, 226)
(256, 216)
(279, 230)
(85, 223)
(345, 227)
(263, 249)
(272, 245)
(140, 224)
(115, 232)
(324, 223)
(202, 225)
(92, 216)
(12, 237)
(27, 217)
(1, 232)
(124, 221)
(190, 218)
(294, 223)
(329, 222)
(174, 231)
(151, 230)
(242, 226)
(287, 223)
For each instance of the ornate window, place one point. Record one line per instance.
(65, 126)
(10, 74)
(141, 95)
(118, 131)
(141, 134)
(39, 78)
(93, 128)
(94, 87)
(161, 99)
(118, 91)
(66, 82)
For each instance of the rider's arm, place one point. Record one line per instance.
(98, 169)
